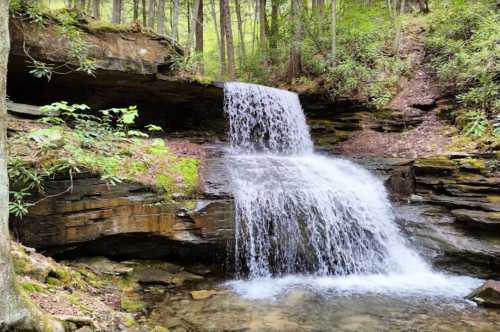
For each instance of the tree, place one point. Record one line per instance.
(294, 62)
(96, 9)
(136, 10)
(116, 17)
(144, 13)
(222, 49)
(193, 18)
(334, 33)
(14, 313)
(198, 48)
(263, 24)
(151, 14)
(240, 30)
(231, 71)
(175, 19)
(161, 17)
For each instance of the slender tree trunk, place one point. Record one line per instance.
(240, 30)
(194, 17)
(198, 48)
(334, 33)
(80, 5)
(13, 314)
(214, 19)
(294, 62)
(263, 23)
(175, 19)
(273, 37)
(144, 13)
(397, 39)
(151, 14)
(161, 17)
(222, 53)
(188, 14)
(136, 10)
(254, 32)
(116, 17)
(231, 69)
(96, 9)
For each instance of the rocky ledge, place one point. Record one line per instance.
(454, 210)
(132, 68)
(87, 216)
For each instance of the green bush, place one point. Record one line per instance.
(464, 39)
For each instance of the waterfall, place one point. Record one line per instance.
(297, 211)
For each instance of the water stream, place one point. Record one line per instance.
(317, 244)
(306, 219)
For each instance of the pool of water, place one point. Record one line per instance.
(327, 304)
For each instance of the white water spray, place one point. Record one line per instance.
(301, 213)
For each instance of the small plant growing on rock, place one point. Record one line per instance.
(71, 139)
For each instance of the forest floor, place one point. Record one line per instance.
(417, 107)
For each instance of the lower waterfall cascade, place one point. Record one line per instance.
(304, 218)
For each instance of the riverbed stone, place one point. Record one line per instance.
(487, 295)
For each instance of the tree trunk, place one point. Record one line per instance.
(214, 19)
(175, 19)
(161, 17)
(136, 10)
(80, 5)
(116, 17)
(96, 9)
(194, 17)
(151, 14)
(294, 62)
(198, 48)
(334, 33)
(273, 37)
(240, 30)
(222, 52)
(263, 24)
(144, 14)
(13, 314)
(397, 39)
(231, 71)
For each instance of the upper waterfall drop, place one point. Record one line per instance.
(296, 211)
(265, 119)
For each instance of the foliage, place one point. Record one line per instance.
(78, 49)
(74, 140)
(464, 43)
(476, 124)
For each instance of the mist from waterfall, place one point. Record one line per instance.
(298, 213)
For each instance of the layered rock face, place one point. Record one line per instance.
(456, 212)
(132, 68)
(86, 215)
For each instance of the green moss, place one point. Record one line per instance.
(31, 287)
(131, 303)
(435, 161)
(128, 320)
(493, 198)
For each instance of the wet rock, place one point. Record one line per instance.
(478, 219)
(202, 294)
(447, 244)
(487, 295)
(103, 265)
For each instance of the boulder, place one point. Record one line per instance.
(487, 295)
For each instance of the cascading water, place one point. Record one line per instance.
(301, 213)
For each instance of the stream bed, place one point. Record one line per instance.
(302, 308)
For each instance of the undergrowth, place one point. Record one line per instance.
(463, 43)
(77, 141)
